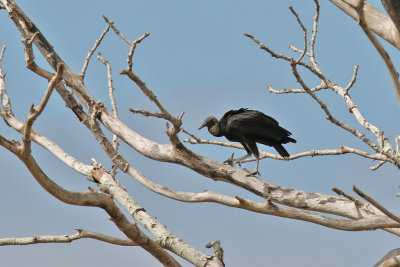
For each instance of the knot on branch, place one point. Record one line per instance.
(97, 171)
(217, 258)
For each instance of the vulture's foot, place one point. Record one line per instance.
(253, 173)
(231, 161)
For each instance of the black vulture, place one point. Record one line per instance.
(249, 127)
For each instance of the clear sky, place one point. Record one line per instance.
(198, 61)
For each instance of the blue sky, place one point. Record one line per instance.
(198, 61)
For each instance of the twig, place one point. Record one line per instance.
(30, 58)
(115, 142)
(352, 107)
(374, 168)
(66, 239)
(91, 51)
(148, 113)
(111, 23)
(356, 201)
(35, 112)
(376, 204)
(133, 47)
(295, 49)
(352, 81)
(5, 100)
(131, 43)
(305, 34)
(3, 49)
(288, 59)
(198, 140)
(314, 34)
(146, 91)
(291, 90)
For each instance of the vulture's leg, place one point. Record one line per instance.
(255, 169)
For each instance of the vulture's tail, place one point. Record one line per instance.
(281, 150)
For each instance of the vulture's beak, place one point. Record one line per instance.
(203, 125)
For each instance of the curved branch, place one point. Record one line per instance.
(393, 9)
(35, 112)
(375, 20)
(381, 50)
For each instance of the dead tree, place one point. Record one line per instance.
(343, 212)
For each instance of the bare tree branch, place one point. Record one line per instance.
(115, 142)
(280, 201)
(95, 199)
(304, 31)
(384, 146)
(376, 204)
(35, 112)
(237, 202)
(204, 166)
(393, 9)
(5, 100)
(310, 153)
(379, 47)
(375, 20)
(391, 259)
(218, 254)
(91, 51)
(66, 239)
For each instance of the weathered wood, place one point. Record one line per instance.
(375, 20)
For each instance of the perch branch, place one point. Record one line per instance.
(310, 153)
